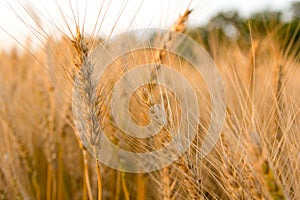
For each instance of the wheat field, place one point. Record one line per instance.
(45, 156)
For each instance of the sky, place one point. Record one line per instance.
(129, 14)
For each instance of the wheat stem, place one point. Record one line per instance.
(99, 180)
(86, 174)
(124, 186)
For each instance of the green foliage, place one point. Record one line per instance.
(231, 27)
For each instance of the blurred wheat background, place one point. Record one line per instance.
(256, 157)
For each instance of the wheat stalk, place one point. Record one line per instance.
(87, 102)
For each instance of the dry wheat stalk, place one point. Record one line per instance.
(86, 101)
(169, 181)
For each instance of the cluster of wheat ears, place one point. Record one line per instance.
(42, 153)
